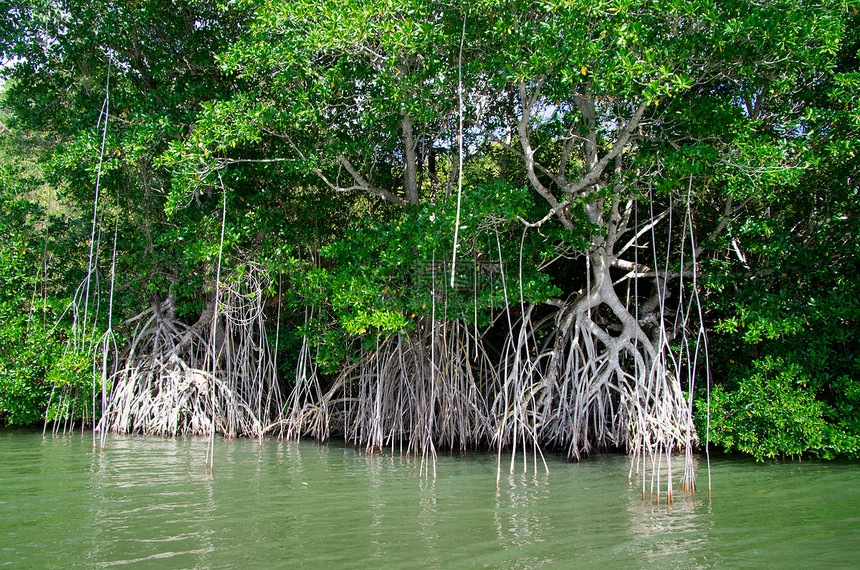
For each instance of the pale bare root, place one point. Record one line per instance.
(413, 393)
(175, 380)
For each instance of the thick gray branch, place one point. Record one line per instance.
(528, 102)
(596, 171)
(410, 178)
(362, 184)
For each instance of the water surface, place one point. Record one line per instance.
(150, 503)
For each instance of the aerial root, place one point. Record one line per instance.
(167, 384)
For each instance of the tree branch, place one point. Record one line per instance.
(410, 177)
(360, 182)
(596, 171)
(528, 102)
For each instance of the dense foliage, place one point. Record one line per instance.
(44, 367)
(586, 222)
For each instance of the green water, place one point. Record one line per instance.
(148, 502)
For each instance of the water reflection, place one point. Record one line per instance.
(155, 501)
(662, 530)
(151, 503)
(428, 516)
(518, 521)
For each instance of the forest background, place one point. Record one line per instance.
(576, 225)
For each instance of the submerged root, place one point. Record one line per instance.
(307, 410)
(414, 392)
(583, 390)
(175, 380)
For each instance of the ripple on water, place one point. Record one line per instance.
(150, 502)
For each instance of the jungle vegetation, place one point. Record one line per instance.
(429, 225)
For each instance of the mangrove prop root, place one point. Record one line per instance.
(166, 383)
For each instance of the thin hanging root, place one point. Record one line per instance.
(304, 414)
(520, 385)
(81, 337)
(166, 384)
(596, 374)
(415, 389)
